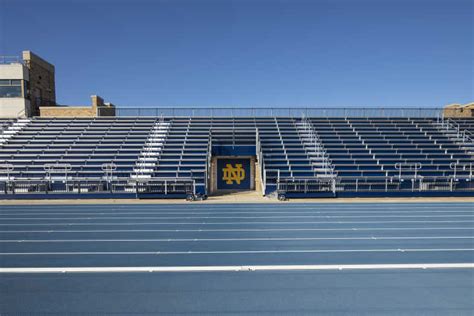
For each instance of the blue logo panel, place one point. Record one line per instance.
(233, 174)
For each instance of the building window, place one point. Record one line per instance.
(10, 88)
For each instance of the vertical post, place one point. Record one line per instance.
(264, 181)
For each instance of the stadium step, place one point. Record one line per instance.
(152, 149)
(314, 148)
(13, 129)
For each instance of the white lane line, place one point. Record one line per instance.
(214, 206)
(270, 207)
(234, 239)
(108, 253)
(229, 223)
(88, 213)
(243, 211)
(49, 231)
(227, 217)
(242, 268)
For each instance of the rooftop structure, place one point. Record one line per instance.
(28, 89)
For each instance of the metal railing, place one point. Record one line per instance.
(318, 147)
(57, 169)
(6, 169)
(409, 166)
(457, 167)
(10, 60)
(294, 112)
(450, 125)
(268, 176)
(261, 163)
(209, 162)
(306, 185)
(394, 184)
(166, 186)
(74, 185)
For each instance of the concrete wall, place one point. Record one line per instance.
(458, 110)
(14, 107)
(98, 108)
(14, 71)
(42, 81)
(67, 111)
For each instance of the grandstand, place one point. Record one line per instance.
(177, 153)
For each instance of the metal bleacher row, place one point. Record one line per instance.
(124, 154)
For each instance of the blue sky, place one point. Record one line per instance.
(250, 53)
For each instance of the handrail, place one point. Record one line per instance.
(408, 166)
(57, 167)
(209, 160)
(261, 163)
(109, 167)
(5, 59)
(464, 134)
(166, 185)
(280, 111)
(318, 146)
(82, 185)
(20, 113)
(6, 167)
(455, 166)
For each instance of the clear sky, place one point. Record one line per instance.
(250, 53)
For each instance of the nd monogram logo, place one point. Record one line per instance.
(232, 174)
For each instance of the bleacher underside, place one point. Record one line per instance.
(170, 157)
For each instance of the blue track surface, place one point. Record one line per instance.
(238, 234)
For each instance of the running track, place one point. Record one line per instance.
(406, 258)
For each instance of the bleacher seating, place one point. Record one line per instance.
(373, 147)
(84, 144)
(184, 154)
(361, 154)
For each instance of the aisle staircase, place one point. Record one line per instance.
(315, 149)
(148, 158)
(460, 136)
(13, 129)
